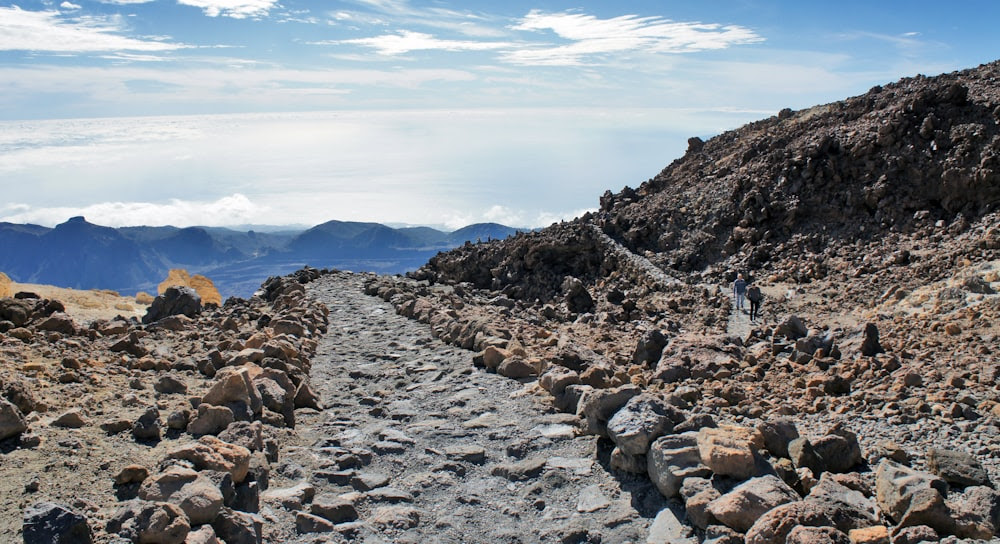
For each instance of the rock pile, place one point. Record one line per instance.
(212, 391)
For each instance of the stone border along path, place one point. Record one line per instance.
(642, 265)
(416, 445)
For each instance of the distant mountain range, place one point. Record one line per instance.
(83, 255)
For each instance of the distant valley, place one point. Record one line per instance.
(82, 255)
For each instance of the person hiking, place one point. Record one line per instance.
(755, 297)
(739, 290)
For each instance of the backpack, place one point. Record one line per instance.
(754, 294)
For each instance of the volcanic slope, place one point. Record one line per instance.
(871, 225)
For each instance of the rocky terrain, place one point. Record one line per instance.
(590, 382)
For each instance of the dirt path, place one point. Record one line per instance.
(739, 320)
(427, 448)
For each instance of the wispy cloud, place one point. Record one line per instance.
(590, 37)
(237, 9)
(402, 13)
(50, 31)
(69, 6)
(407, 41)
(234, 209)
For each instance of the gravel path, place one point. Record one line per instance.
(426, 448)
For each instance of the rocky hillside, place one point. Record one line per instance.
(871, 225)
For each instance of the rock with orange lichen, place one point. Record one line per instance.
(178, 277)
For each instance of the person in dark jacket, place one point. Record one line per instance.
(755, 297)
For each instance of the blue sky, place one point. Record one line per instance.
(220, 112)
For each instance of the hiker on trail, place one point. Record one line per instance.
(755, 297)
(739, 290)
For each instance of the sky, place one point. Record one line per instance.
(442, 113)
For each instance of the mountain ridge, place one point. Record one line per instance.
(84, 255)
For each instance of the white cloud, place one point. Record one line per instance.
(591, 37)
(403, 14)
(22, 30)
(406, 41)
(237, 9)
(125, 2)
(69, 6)
(234, 209)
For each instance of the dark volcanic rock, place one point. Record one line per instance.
(174, 301)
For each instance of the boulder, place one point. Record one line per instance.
(291, 498)
(178, 277)
(147, 427)
(556, 378)
(597, 406)
(52, 523)
(817, 535)
(649, 348)
(131, 474)
(174, 301)
(203, 535)
(516, 367)
(70, 419)
(747, 502)
(305, 397)
(58, 322)
(957, 467)
(235, 527)
(334, 510)
(698, 493)
(308, 523)
(668, 529)
(729, 450)
(12, 422)
(673, 458)
(910, 497)
(838, 450)
(846, 508)
(777, 433)
(153, 522)
(210, 453)
(250, 435)
(199, 497)
(643, 419)
(977, 513)
(234, 385)
(169, 384)
(575, 294)
(774, 526)
(870, 346)
(792, 328)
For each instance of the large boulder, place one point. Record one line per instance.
(210, 453)
(52, 523)
(174, 301)
(649, 348)
(957, 467)
(673, 458)
(747, 502)
(729, 450)
(150, 522)
(597, 406)
(910, 497)
(178, 277)
(197, 495)
(643, 419)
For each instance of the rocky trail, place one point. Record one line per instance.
(416, 445)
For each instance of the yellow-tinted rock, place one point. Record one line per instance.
(178, 277)
(6, 289)
(869, 535)
(143, 297)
